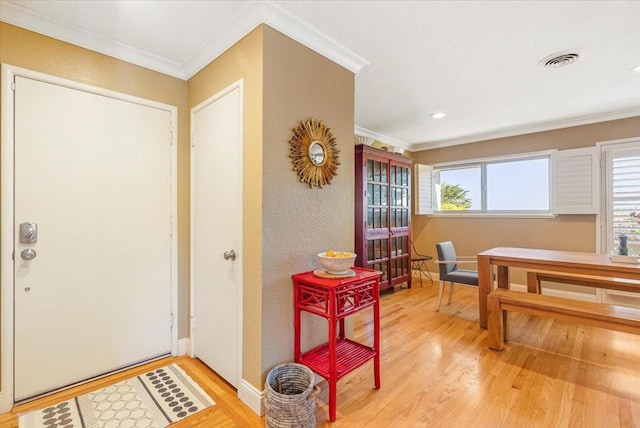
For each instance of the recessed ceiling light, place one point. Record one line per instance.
(438, 115)
(636, 68)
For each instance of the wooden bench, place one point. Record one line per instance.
(620, 318)
(534, 278)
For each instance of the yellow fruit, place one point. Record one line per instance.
(338, 254)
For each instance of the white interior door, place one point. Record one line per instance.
(216, 217)
(93, 173)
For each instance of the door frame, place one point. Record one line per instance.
(601, 235)
(239, 86)
(602, 219)
(9, 72)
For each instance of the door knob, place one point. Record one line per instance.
(229, 255)
(28, 254)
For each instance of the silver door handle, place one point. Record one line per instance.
(231, 254)
(28, 254)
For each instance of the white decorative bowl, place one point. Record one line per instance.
(336, 265)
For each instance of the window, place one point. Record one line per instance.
(519, 185)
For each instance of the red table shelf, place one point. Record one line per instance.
(349, 355)
(334, 300)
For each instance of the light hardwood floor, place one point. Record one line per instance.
(437, 371)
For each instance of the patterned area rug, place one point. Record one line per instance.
(155, 399)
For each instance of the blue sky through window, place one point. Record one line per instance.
(520, 185)
(515, 185)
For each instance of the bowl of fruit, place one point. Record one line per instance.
(336, 262)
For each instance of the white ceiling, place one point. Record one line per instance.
(475, 60)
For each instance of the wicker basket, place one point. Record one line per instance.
(290, 399)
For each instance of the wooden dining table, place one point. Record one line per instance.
(547, 260)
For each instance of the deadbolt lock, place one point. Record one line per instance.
(28, 233)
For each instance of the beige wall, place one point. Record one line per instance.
(39, 53)
(244, 61)
(473, 235)
(299, 222)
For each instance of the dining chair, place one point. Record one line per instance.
(449, 272)
(419, 263)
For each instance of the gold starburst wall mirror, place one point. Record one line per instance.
(314, 153)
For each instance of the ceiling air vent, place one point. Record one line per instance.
(558, 60)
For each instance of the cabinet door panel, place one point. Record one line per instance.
(383, 200)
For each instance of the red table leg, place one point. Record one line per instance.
(376, 340)
(333, 372)
(296, 327)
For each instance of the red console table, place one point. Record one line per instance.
(334, 300)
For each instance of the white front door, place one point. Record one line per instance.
(216, 218)
(92, 291)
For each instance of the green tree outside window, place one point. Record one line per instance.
(454, 197)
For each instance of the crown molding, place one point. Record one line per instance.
(20, 16)
(527, 129)
(364, 132)
(247, 19)
(273, 15)
(290, 25)
(243, 23)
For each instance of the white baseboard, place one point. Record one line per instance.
(184, 346)
(252, 397)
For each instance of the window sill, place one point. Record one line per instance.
(494, 215)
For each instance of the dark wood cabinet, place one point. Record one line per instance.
(382, 214)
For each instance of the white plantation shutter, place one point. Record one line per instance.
(423, 189)
(575, 184)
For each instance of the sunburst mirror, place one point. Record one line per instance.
(314, 153)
